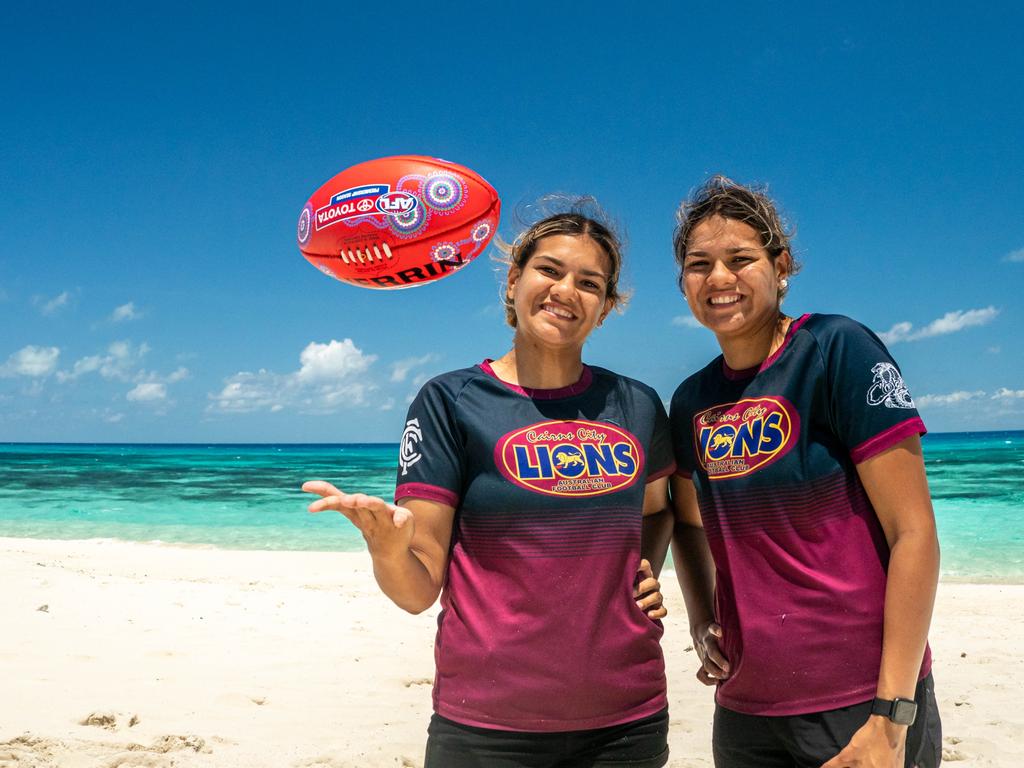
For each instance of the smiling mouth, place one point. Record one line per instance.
(558, 312)
(724, 301)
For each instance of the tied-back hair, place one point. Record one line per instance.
(563, 215)
(721, 196)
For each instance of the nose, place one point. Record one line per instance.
(720, 276)
(564, 286)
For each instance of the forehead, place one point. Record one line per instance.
(580, 251)
(720, 232)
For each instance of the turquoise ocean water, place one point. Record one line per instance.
(248, 497)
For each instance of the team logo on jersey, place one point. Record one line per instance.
(738, 438)
(409, 452)
(888, 387)
(569, 458)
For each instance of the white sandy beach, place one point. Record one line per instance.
(121, 654)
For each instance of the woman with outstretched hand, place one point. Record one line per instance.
(522, 490)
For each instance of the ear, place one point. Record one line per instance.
(609, 305)
(783, 265)
(510, 281)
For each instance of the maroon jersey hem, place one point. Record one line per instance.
(808, 706)
(663, 472)
(428, 492)
(549, 725)
(887, 439)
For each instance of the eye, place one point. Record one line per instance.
(590, 285)
(696, 265)
(547, 270)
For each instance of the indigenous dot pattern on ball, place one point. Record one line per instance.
(481, 232)
(444, 192)
(445, 252)
(304, 225)
(407, 225)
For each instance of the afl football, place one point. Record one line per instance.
(398, 222)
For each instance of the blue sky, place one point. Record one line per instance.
(152, 167)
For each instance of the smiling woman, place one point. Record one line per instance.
(805, 539)
(525, 485)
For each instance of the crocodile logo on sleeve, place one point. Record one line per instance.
(888, 388)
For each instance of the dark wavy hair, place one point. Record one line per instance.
(721, 196)
(578, 217)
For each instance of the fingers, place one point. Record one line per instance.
(649, 599)
(320, 487)
(715, 663)
(646, 586)
(361, 509)
(645, 569)
(714, 666)
(705, 678)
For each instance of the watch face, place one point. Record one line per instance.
(904, 712)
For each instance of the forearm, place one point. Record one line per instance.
(655, 538)
(405, 579)
(909, 597)
(695, 571)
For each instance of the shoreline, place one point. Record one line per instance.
(141, 654)
(187, 545)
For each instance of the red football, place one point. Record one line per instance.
(398, 222)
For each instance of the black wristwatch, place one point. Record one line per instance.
(900, 711)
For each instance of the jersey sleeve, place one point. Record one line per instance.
(660, 458)
(430, 461)
(681, 429)
(870, 407)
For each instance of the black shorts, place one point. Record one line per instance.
(807, 741)
(638, 744)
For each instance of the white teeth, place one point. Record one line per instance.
(725, 299)
(558, 312)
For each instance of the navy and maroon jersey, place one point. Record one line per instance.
(539, 630)
(799, 552)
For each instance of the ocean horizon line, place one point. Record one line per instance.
(233, 444)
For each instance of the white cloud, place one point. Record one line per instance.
(953, 398)
(951, 322)
(331, 376)
(1008, 394)
(50, 306)
(31, 361)
(331, 361)
(125, 312)
(400, 369)
(119, 362)
(1017, 255)
(686, 321)
(148, 392)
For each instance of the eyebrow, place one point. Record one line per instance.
(560, 263)
(727, 250)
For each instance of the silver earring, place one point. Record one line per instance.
(784, 283)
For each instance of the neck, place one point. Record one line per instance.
(754, 348)
(535, 367)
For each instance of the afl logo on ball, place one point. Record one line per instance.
(570, 458)
(409, 452)
(305, 230)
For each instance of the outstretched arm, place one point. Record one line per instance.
(408, 543)
(897, 486)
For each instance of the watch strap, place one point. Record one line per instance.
(899, 711)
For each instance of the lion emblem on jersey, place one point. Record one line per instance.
(887, 387)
